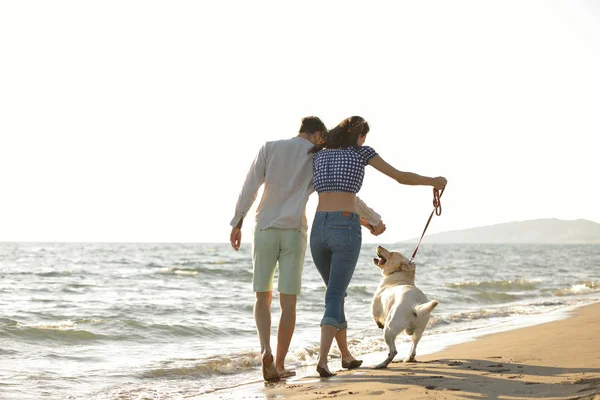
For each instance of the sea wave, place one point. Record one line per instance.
(495, 297)
(60, 332)
(512, 285)
(216, 365)
(176, 271)
(199, 329)
(8, 322)
(54, 274)
(193, 263)
(358, 290)
(120, 261)
(487, 313)
(155, 265)
(582, 287)
(241, 273)
(115, 330)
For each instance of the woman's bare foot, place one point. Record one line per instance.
(268, 368)
(324, 371)
(351, 363)
(284, 373)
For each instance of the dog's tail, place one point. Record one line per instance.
(425, 308)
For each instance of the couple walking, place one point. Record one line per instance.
(332, 163)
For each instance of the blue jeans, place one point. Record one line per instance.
(335, 241)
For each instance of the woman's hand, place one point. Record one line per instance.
(439, 182)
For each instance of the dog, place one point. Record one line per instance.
(398, 305)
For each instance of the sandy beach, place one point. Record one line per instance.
(555, 360)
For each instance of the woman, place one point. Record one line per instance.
(335, 240)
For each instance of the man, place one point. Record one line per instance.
(280, 235)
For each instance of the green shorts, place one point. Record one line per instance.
(284, 246)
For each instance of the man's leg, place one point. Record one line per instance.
(262, 318)
(264, 259)
(291, 260)
(285, 330)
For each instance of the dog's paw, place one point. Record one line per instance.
(382, 365)
(409, 360)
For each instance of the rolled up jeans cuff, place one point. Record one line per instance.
(333, 322)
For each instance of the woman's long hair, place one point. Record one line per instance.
(342, 136)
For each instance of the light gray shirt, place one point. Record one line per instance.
(286, 170)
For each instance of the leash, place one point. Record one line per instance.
(437, 210)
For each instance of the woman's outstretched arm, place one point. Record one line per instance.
(406, 178)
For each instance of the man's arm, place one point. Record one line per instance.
(254, 179)
(369, 218)
(367, 213)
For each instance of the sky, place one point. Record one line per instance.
(137, 121)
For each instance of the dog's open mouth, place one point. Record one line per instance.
(379, 261)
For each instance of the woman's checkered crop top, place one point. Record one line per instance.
(341, 170)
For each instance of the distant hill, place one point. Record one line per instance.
(531, 231)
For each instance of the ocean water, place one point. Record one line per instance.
(175, 321)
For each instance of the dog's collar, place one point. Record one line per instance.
(395, 272)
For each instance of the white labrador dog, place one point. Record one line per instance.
(398, 305)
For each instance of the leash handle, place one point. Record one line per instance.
(437, 210)
(437, 204)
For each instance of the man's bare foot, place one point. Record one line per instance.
(268, 368)
(284, 373)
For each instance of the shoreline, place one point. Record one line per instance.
(541, 358)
